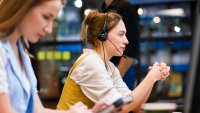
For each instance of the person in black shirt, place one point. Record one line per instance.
(130, 18)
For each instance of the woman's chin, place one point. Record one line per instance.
(34, 41)
(118, 55)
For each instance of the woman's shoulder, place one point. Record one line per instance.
(92, 56)
(92, 59)
(2, 53)
(3, 77)
(89, 60)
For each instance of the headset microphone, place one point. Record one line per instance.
(117, 49)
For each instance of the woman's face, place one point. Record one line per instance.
(116, 37)
(39, 20)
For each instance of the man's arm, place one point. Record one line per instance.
(124, 65)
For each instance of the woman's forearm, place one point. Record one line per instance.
(159, 71)
(141, 94)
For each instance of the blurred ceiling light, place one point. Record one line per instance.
(78, 3)
(140, 11)
(156, 19)
(177, 29)
(172, 12)
(87, 11)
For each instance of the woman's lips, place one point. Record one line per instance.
(122, 48)
(40, 35)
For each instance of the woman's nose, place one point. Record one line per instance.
(126, 40)
(48, 28)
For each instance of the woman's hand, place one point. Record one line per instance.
(79, 107)
(159, 71)
(100, 106)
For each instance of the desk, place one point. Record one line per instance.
(159, 107)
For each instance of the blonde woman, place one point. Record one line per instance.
(25, 20)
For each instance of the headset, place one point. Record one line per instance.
(102, 36)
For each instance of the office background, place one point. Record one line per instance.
(168, 33)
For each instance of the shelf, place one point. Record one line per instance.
(169, 39)
(50, 43)
(158, 2)
(159, 106)
(184, 45)
(180, 68)
(166, 99)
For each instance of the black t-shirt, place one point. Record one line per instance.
(131, 19)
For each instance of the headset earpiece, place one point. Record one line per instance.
(102, 36)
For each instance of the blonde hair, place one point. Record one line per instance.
(93, 24)
(12, 12)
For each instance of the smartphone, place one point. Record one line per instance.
(114, 107)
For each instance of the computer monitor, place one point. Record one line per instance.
(192, 95)
(195, 105)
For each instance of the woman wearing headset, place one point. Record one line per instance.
(94, 77)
